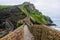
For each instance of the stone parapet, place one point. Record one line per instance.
(17, 34)
(42, 32)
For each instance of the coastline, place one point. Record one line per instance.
(55, 27)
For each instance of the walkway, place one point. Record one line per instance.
(27, 34)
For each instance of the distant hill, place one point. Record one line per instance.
(39, 17)
(25, 8)
(10, 15)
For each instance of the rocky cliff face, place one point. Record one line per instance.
(17, 12)
(36, 15)
(9, 16)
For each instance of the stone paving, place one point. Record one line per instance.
(27, 34)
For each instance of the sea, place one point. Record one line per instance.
(57, 22)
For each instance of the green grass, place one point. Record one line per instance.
(38, 17)
(17, 25)
(2, 6)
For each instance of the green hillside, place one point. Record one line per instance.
(2, 6)
(39, 17)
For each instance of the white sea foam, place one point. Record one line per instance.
(55, 27)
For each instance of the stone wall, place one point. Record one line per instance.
(17, 34)
(42, 32)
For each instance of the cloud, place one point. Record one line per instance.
(48, 7)
(11, 2)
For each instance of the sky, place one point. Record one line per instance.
(47, 7)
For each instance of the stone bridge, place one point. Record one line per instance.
(35, 32)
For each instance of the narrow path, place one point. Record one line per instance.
(27, 34)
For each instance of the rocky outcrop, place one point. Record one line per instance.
(11, 16)
(36, 15)
(8, 19)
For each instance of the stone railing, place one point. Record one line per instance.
(17, 34)
(42, 32)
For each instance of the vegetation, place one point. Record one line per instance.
(35, 14)
(10, 15)
(2, 6)
(17, 25)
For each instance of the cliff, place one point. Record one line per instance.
(10, 15)
(26, 7)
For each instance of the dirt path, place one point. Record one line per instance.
(27, 34)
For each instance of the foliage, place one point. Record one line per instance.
(35, 14)
(17, 25)
(2, 6)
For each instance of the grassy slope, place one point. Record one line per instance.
(5, 6)
(38, 17)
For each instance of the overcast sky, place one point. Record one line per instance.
(48, 7)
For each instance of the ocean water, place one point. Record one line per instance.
(57, 22)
